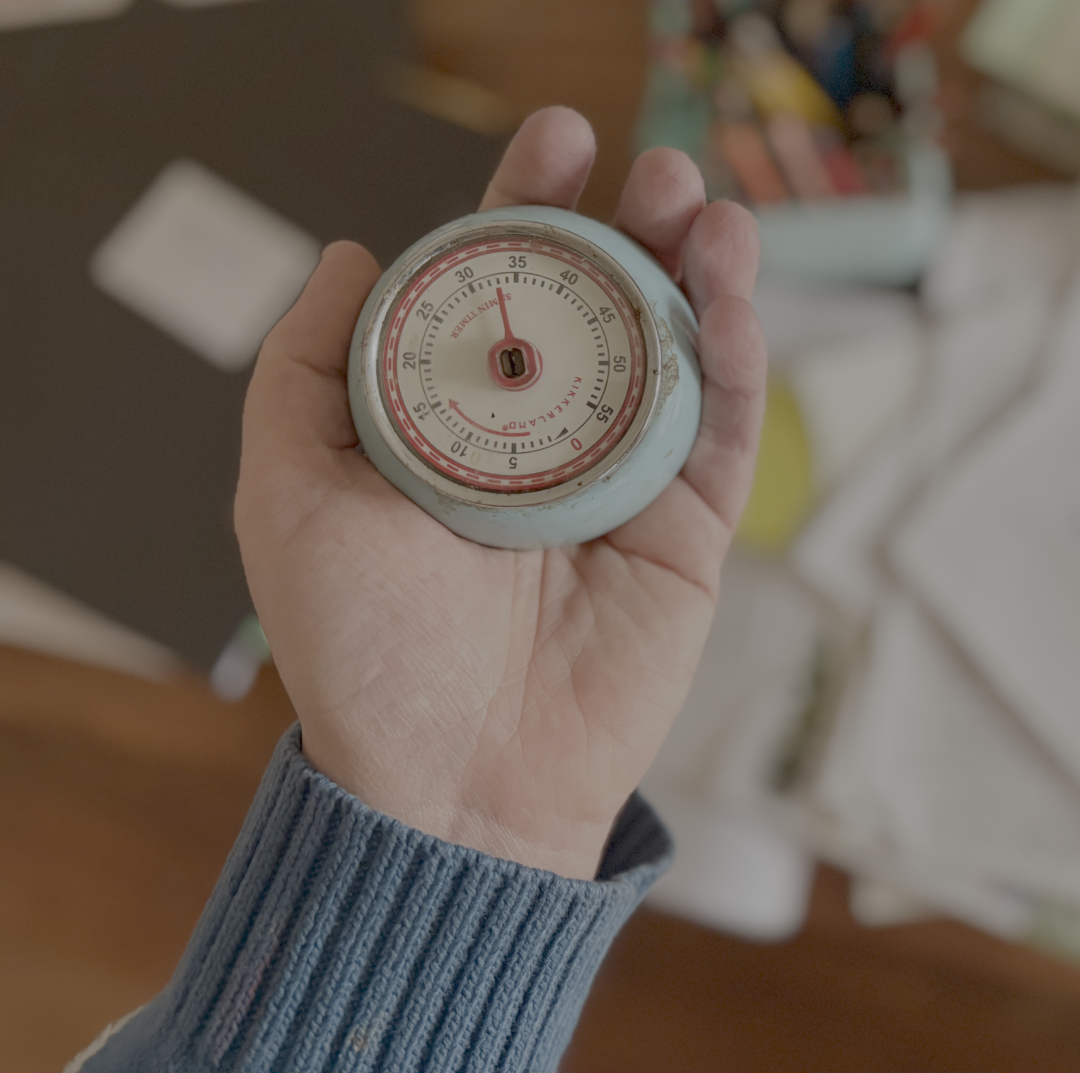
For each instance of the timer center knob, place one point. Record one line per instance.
(514, 363)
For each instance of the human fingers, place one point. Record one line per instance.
(298, 396)
(721, 254)
(546, 163)
(663, 195)
(731, 349)
(688, 528)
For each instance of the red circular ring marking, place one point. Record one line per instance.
(478, 478)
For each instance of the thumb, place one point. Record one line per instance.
(298, 397)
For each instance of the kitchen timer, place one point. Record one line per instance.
(527, 376)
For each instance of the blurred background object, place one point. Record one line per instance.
(913, 495)
(168, 179)
(1030, 49)
(821, 115)
(890, 683)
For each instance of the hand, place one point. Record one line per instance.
(506, 701)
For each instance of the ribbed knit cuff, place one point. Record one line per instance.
(339, 939)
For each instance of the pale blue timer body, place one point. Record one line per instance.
(600, 501)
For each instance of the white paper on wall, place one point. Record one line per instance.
(16, 14)
(206, 264)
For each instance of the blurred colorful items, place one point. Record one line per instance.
(799, 108)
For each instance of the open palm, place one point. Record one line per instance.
(504, 700)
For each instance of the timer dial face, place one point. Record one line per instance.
(514, 364)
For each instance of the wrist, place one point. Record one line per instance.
(533, 836)
(572, 851)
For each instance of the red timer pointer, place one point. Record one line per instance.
(514, 363)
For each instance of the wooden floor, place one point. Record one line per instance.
(119, 799)
(927, 998)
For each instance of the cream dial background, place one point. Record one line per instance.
(443, 401)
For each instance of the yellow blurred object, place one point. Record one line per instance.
(783, 490)
(780, 85)
(776, 82)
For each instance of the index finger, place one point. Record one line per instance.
(663, 195)
(546, 163)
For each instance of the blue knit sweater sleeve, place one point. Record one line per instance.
(339, 939)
